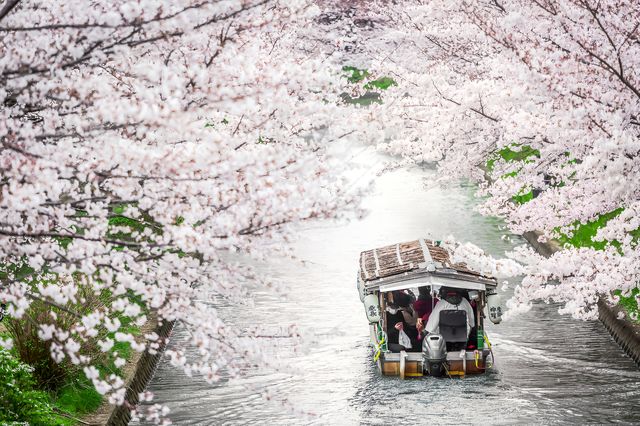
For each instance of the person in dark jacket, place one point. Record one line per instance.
(423, 308)
(401, 316)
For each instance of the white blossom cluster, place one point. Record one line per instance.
(558, 77)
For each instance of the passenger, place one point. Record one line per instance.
(405, 301)
(393, 315)
(423, 307)
(425, 303)
(473, 297)
(451, 299)
(401, 316)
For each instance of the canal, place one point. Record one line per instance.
(549, 368)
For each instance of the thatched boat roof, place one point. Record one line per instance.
(411, 258)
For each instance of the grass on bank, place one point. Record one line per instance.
(582, 234)
(630, 304)
(515, 153)
(77, 397)
(372, 87)
(69, 392)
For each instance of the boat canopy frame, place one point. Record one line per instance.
(433, 279)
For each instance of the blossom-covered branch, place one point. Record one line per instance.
(141, 145)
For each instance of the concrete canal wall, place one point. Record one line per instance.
(143, 372)
(137, 373)
(623, 331)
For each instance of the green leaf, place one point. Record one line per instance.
(512, 153)
(382, 83)
(522, 197)
(355, 75)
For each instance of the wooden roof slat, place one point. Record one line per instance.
(403, 257)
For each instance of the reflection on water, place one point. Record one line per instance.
(549, 368)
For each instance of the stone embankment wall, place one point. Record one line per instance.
(142, 375)
(623, 331)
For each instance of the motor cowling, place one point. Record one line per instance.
(434, 353)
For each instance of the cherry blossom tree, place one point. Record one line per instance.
(538, 102)
(143, 143)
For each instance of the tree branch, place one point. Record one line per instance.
(8, 6)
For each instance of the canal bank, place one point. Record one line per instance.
(137, 373)
(623, 331)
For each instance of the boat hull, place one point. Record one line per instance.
(393, 364)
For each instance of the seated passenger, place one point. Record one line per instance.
(473, 298)
(423, 307)
(451, 299)
(401, 316)
(392, 316)
(401, 301)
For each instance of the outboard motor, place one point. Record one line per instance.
(434, 353)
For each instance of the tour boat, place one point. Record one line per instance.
(404, 269)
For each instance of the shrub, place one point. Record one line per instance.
(18, 399)
(36, 352)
